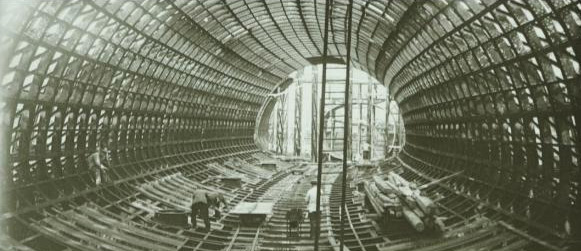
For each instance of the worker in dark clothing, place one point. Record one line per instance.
(98, 162)
(218, 202)
(200, 207)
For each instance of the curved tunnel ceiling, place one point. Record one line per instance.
(489, 87)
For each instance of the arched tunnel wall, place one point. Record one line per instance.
(81, 73)
(488, 87)
(496, 95)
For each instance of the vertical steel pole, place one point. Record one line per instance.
(346, 124)
(281, 124)
(298, 114)
(369, 115)
(359, 125)
(386, 129)
(314, 98)
(322, 123)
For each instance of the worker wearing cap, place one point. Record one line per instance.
(311, 199)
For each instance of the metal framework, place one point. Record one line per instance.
(314, 127)
(281, 124)
(370, 118)
(298, 115)
(488, 87)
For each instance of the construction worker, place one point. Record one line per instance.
(200, 207)
(218, 202)
(311, 200)
(97, 164)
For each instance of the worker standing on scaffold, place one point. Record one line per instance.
(311, 199)
(98, 164)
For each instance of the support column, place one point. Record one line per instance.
(386, 130)
(332, 121)
(272, 130)
(281, 124)
(298, 114)
(368, 137)
(346, 125)
(322, 123)
(359, 125)
(315, 98)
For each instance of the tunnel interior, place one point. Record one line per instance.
(490, 88)
(292, 116)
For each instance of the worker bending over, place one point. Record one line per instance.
(201, 202)
(218, 202)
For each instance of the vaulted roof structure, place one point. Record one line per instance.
(488, 87)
